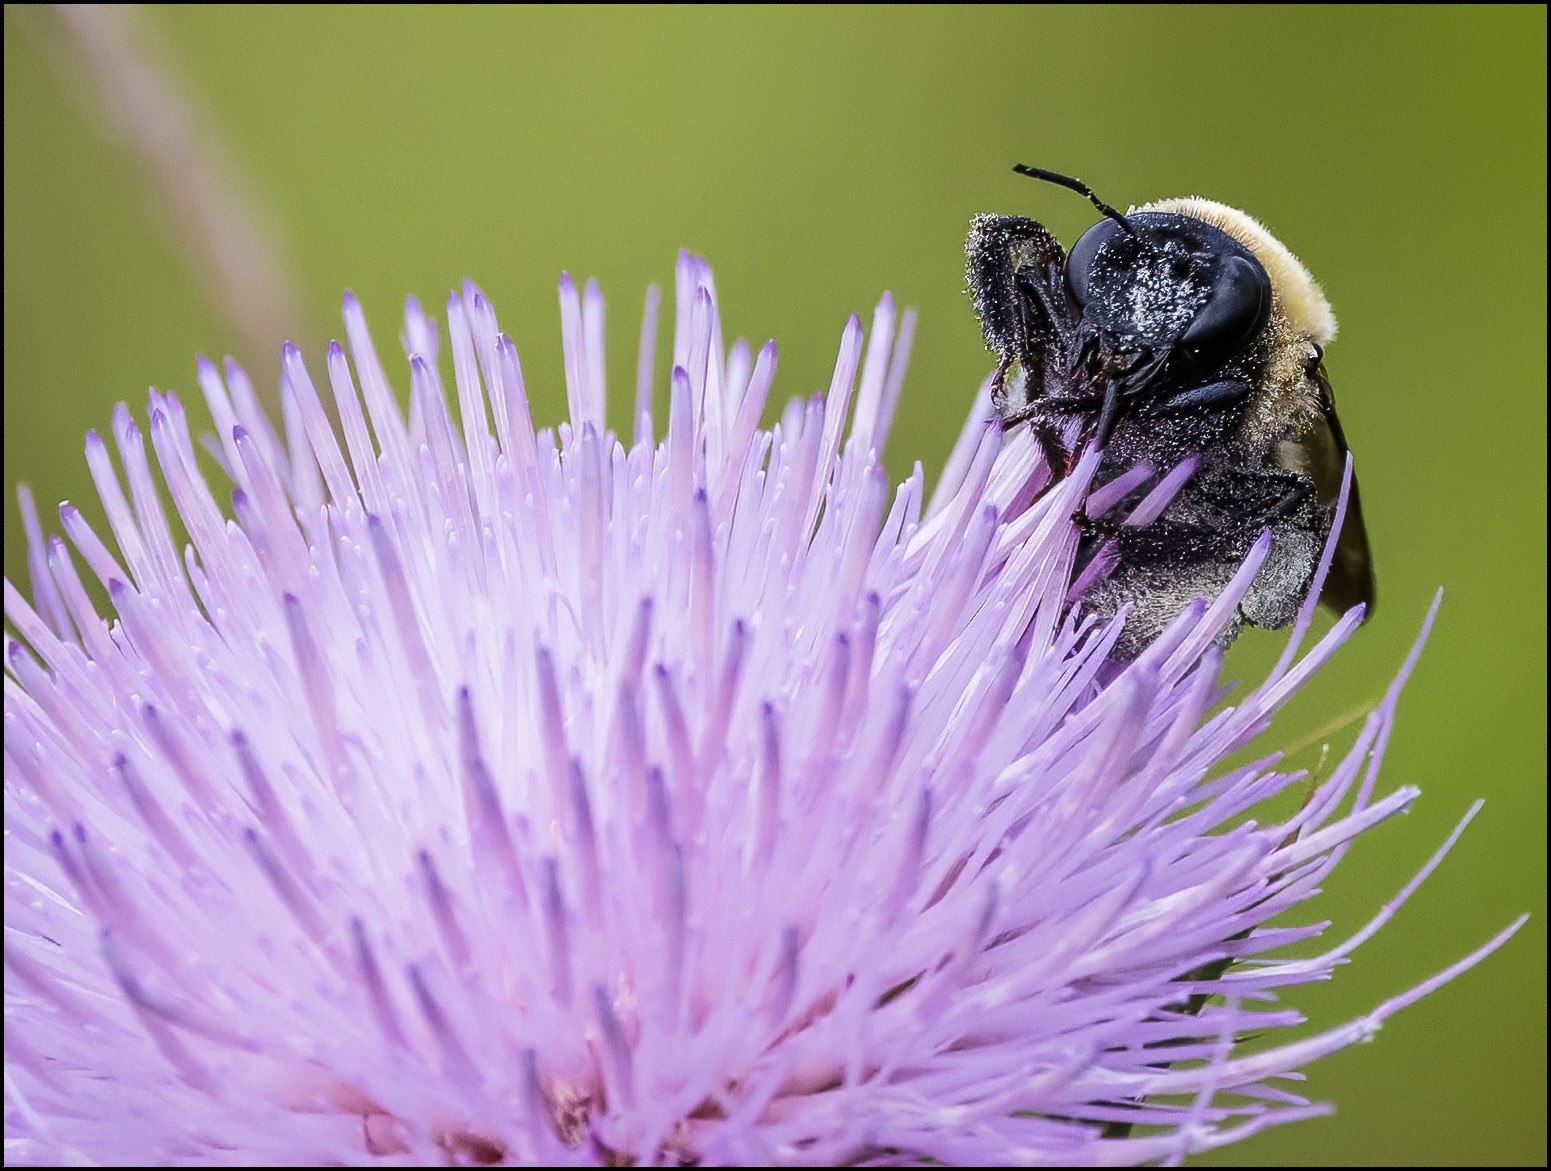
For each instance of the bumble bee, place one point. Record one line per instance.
(1179, 329)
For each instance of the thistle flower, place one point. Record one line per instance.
(531, 797)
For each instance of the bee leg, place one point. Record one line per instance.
(1288, 508)
(1057, 458)
(1109, 415)
(1094, 535)
(999, 386)
(1096, 527)
(1205, 398)
(1291, 502)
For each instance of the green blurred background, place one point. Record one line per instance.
(819, 156)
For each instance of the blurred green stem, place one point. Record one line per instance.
(228, 237)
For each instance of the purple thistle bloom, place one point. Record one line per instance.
(531, 797)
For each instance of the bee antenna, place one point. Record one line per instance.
(1081, 188)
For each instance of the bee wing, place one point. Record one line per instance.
(1323, 449)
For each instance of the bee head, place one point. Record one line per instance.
(1164, 282)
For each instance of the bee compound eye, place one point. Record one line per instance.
(1235, 312)
(1080, 261)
